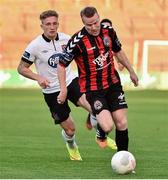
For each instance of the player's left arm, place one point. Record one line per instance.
(122, 58)
(62, 81)
(65, 59)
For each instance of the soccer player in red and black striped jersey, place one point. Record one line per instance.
(92, 48)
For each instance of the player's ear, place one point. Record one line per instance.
(41, 25)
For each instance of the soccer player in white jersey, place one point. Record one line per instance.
(41, 51)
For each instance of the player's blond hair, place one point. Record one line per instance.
(47, 14)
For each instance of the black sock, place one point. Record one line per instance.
(100, 133)
(122, 140)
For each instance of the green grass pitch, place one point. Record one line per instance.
(31, 146)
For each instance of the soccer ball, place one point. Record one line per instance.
(123, 162)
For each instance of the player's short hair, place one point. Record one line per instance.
(88, 11)
(48, 13)
(106, 21)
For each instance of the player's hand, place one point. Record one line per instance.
(43, 82)
(62, 97)
(134, 78)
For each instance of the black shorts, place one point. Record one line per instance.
(60, 112)
(111, 99)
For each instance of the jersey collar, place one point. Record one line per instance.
(48, 40)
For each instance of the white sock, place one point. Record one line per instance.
(68, 139)
(93, 121)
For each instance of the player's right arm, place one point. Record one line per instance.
(65, 59)
(24, 70)
(62, 81)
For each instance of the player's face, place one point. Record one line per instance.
(92, 24)
(50, 26)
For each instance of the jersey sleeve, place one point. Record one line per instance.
(115, 41)
(29, 54)
(71, 50)
(65, 58)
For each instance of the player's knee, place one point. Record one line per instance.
(80, 101)
(58, 119)
(107, 127)
(70, 131)
(122, 124)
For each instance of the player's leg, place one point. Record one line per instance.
(68, 133)
(88, 122)
(104, 126)
(105, 120)
(102, 138)
(85, 104)
(79, 99)
(120, 119)
(103, 116)
(61, 115)
(99, 106)
(118, 107)
(91, 122)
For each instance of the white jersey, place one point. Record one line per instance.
(40, 52)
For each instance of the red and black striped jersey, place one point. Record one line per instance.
(94, 58)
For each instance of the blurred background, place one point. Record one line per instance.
(141, 25)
